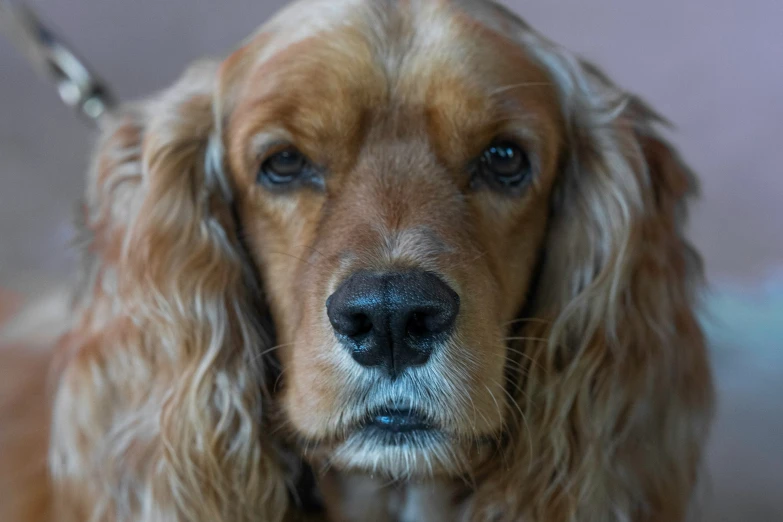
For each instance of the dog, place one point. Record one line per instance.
(388, 261)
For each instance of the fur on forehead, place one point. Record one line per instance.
(423, 26)
(438, 53)
(306, 18)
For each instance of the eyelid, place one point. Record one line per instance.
(264, 145)
(274, 148)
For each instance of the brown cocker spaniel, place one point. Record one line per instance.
(388, 261)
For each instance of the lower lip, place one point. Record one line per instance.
(399, 421)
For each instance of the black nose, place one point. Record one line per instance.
(393, 320)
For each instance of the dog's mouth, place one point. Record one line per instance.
(394, 426)
(398, 420)
(398, 441)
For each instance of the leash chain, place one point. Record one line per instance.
(78, 87)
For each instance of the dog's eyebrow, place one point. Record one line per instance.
(261, 144)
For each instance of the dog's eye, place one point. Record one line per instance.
(506, 164)
(283, 168)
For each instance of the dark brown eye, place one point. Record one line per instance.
(283, 167)
(505, 164)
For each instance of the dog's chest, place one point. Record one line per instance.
(361, 498)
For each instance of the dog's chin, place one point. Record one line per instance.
(401, 445)
(402, 458)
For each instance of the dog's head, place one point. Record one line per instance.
(392, 169)
(468, 241)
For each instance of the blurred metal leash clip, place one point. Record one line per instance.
(78, 87)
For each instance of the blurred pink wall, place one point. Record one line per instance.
(713, 67)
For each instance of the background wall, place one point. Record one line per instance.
(714, 67)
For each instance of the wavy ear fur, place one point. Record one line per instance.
(615, 384)
(158, 413)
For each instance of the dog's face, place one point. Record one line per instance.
(470, 243)
(393, 170)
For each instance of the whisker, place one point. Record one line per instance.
(311, 249)
(277, 381)
(277, 429)
(272, 349)
(295, 257)
(521, 415)
(523, 338)
(497, 405)
(475, 415)
(327, 465)
(507, 88)
(499, 435)
(528, 320)
(476, 258)
(526, 356)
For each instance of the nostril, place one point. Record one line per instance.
(417, 325)
(430, 322)
(352, 325)
(361, 324)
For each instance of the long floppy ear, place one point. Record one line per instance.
(158, 411)
(616, 387)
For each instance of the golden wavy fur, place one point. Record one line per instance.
(200, 375)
